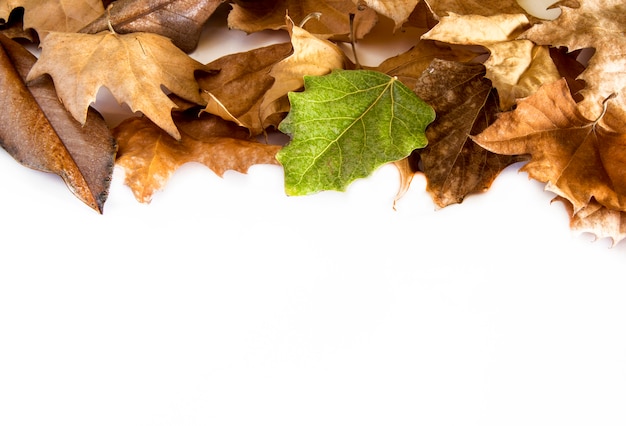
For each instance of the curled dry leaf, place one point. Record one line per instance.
(597, 220)
(38, 131)
(54, 15)
(474, 7)
(333, 22)
(181, 21)
(132, 66)
(238, 88)
(465, 104)
(398, 10)
(150, 156)
(579, 159)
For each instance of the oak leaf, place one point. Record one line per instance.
(134, 67)
(38, 131)
(599, 25)
(578, 159)
(346, 124)
(334, 22)
(465, 104)
(150, 156)
(181, 21)
(53, 15)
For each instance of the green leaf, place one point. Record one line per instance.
(346, 124)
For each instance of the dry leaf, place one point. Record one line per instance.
(333, 22)
(150, 156)
(54, 15)
(474, 7)
(398, 10)
(599, 25)
(38, 131)
(597, 220)
(579, 159)
(180, 20)
(465, 105)
(132, 66)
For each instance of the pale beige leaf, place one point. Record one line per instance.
(477, 29)
(54, 15)
(398, 10)
(134, 67)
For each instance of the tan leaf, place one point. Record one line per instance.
(475, 7)
(38, 131)
(398, 10)
(599, 25)
(311, 56)
(334, 22)
(54, 15)
(180, 20)
(150, 156)
(578, 159)
(132, 66)
(598, 220)
(517, 68)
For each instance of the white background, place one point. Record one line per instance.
(225, 302)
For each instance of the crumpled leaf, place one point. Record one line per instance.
(346, 124)
(333, 22)
(54, 15)
(236, 91)
(180, 20)
(150, 156)
(517, 68)
(132, 66)
(597, 24)
(398, 10)
(577, 158)
(465, 104)
(38, 131)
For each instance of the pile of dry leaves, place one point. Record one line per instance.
(504, 86)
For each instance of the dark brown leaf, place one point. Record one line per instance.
(179, 20)
(38, 131)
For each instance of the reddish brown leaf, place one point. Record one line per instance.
(38, 131)
(150, 156)
(465, 104)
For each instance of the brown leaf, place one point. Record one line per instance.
(54, 15)
(180, 20)
(334, 22)
(465, 104)
(240, 84)
(474, 7)
(150, 156)
(132, 66)
(600, 25)
(398, 10)
(579, 159)
(38, 131)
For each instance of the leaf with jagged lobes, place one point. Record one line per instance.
(134, 67)
(39, 132)
(180, 20)
(346, 124)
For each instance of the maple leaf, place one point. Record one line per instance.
(132, 66)
(475, 7)
(54, 15)
(346, 124)
(181, 21)
(579, 159)
(236, 90)
(38, 131)
(150, 156)
(517, 68)
(599, 25)
(465, 104)
(333, 22)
